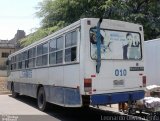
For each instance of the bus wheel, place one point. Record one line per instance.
(14, 94)
(41, 99)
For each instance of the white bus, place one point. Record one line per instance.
(90, 62)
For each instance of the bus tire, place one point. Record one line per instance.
(14, 94)
(41, 99)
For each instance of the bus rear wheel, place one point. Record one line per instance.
(41, 99)
(14, 94)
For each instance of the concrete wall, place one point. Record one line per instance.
(3, 85)
(3, 73)
(3, 68)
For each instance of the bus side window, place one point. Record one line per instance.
(71, 47)
(42, 55)
(26, 64)
(31, 57)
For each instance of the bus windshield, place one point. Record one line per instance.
(116, 44)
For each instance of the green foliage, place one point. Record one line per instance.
(144, 12)
(39, 34)
(57, 14)
(68, 11)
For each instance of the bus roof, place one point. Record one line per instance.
(55, 34)
(61, 31)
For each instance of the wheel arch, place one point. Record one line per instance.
(12, 84)
(38, 87)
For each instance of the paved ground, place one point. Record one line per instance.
(24, 109)
(11, 106)
(19, 109)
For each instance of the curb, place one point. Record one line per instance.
(5, 93)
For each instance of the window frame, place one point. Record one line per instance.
(72, 46)
(57, 50)
(19, 60)
(33, 57)
(13, 63)
(42, 54)
(4, 54)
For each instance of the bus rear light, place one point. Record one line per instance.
(144, 81)
(87, 84)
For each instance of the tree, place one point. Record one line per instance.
(60, 13)
(144, 12)
(57, 14)
(68, 11)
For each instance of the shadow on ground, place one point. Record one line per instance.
(75, 114)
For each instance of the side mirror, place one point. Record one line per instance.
(7, 62)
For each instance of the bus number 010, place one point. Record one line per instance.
(120, 72)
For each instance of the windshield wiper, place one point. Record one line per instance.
(98, 44)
